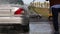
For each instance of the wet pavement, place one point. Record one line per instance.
(41, 26)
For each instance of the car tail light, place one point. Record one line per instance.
(19, 11)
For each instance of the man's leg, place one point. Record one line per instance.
(55, 19)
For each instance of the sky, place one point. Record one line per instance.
(28, 1)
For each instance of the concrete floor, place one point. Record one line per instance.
(43, 28)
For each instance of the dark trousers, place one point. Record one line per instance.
(55, 18)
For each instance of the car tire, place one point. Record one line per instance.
(25, 28)
(21, 28)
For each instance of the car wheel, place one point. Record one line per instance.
(21, 28)
(25, 28)
(17, 27)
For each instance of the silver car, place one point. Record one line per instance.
(13, 16)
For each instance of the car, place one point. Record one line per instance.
(13, 16)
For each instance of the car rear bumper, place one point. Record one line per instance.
(19, 24)
(4, 28)
(14, 20)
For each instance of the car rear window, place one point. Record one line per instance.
(11, 2)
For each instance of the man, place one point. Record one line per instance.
(55, 7)
(55, 10)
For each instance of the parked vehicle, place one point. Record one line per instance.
(13, 16)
